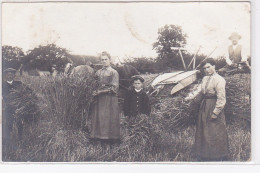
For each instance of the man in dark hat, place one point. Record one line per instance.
(136, 100)
(8, 85)
(235, 57)
(9, 82)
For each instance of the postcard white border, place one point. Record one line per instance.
(171, 166)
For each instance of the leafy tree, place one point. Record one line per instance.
(170, 36)
(43, 57)
(12, 57)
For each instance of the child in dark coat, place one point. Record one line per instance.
(136, 100)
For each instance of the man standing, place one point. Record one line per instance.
(235, 56)
(8, 85)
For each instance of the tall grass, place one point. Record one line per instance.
(61, 132)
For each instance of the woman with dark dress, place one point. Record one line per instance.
(105, 111)
(211, 139)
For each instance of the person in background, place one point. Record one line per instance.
(211, 139)
(105, 111)
(54, 71)
(235, 55)
(68, 68)
(136, 100)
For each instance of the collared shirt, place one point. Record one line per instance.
(138, 90)
(108, 77)
(212, 85)
(10, 82)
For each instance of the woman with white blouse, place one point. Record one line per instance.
(211, 139)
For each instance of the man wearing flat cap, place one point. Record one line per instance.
(235, 54)
(9, 82)
(8, 85)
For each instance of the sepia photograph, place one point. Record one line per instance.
(126, 81)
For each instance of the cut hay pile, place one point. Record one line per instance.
(178, 113)
(238, 91)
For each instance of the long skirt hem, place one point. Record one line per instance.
(211, 139)
(105, 118)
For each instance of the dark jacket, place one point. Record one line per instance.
(136, 103)
(7, 88)
(8, 110)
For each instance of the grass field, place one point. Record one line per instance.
(59, 131)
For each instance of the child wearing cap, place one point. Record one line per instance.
(136, 100)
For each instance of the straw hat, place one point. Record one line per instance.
(235, 36)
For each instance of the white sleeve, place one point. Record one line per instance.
(221, 96)
(195, 93)
(228, 61)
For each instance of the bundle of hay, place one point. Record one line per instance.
(24, 101)
(141, 139)
(174, 112)
(238, 92)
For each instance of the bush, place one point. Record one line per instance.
(144, 64)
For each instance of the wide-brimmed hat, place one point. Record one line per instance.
(234, 35)
(10, 70)
(135, 77)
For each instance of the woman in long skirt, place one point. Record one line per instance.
(211, 139)
(105, 112)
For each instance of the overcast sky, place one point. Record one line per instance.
(123, 29)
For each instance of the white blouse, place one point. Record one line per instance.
(212, 85)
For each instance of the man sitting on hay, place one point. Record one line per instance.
(235, 57)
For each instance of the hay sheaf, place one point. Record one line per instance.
(238, 91)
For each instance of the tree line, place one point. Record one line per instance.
(43, 57)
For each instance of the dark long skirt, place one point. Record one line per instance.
(211, 139)
(105, 118)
